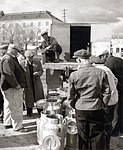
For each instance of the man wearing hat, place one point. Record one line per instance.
(89, 92)
(34, 90)
(115, 64)
(12, 84)
(50, 47)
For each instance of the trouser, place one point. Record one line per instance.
(29, 111)
(92, 135)
(13, 107)
(118, 116)
(1, 106)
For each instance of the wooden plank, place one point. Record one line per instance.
(61, 66)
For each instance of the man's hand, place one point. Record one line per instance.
(36, 74)
(18, 87)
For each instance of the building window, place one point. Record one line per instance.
(31, 24)
(121, 50)
(39, 30)
(47, 23)
(39, 23)
(117, 50)
(24, 25)
(3, 25)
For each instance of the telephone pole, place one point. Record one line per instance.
(64, 14)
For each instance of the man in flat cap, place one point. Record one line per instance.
(89, 92)
(50, 48)
(115, 64)
(12, 84)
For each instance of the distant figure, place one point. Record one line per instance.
(12, 83)
(34, 90)
(50, 48)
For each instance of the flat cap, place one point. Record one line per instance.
(100, 53)
(13, 47)
(43, 33)
(82, 53)
(29, 53)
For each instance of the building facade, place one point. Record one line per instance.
(117, 47)
(37, 21)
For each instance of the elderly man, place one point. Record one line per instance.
(51, 48)
(12, 84)
(89, 91)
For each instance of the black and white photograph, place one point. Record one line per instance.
(61, 75)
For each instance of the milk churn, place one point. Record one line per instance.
(52, 106)
(40, 123)
(40, 105)
(54, 95)
(53, 133)
(72, 140)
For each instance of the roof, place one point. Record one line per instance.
(28, 15)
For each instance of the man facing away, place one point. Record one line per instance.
(115, 64)
(89, 91)
(12, 84)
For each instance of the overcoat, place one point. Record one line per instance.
(34, 90)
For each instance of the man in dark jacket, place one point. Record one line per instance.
(50, 48)
(89, 91)
(12, 84)
(115, 64)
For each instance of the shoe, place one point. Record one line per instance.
(8, 127)
(1, 120)
(29, 115)
(23, 130)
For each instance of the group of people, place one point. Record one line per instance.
(95, 92)
(20, 80)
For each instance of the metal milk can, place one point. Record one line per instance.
(72, 140)
(53, 133)
(52, 106)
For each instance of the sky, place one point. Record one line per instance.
(76, 11)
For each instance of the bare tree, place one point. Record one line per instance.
(22, 36)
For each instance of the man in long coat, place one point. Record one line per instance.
(34, 90)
